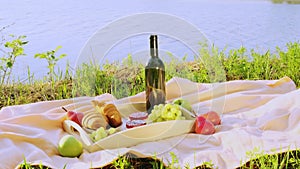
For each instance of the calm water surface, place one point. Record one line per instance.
(260, 25)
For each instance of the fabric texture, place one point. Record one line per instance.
(262, 114)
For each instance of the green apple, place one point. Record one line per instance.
(69, 146)
(184, 103)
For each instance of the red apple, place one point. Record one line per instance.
(79, 117)
(213, 117)
(203, 126)
(74, 116)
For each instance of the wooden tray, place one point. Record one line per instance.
(130, 137)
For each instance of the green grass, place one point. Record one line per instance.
(127, 78)
(283, 160)
(258, 160)
(286, 1)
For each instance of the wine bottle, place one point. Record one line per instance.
(155, 77)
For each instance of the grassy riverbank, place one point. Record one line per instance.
(127, 78)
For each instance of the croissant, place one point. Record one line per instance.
(109, 112)
(93, 120)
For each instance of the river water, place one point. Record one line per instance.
(258, 25)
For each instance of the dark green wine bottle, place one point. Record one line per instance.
(155, 77)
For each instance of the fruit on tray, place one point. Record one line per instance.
(203, 126)
(109, 112)
(74, 116)
(166, 112)
(69, 146)
(184, 103)
(213, 117)
(135, 123)
(101, 133)
(138, 116)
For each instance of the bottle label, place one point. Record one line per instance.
(155, 97)
(155, 88)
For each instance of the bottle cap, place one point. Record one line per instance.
(153, 37)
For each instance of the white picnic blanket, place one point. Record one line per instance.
(262, 114)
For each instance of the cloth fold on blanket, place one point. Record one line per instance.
(254, 113)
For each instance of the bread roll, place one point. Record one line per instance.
(109, 112)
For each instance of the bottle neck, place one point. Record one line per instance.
(153, 46)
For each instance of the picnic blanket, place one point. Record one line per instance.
(261, 114)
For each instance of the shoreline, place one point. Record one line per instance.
(127, 78)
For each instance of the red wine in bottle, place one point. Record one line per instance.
(155, 77)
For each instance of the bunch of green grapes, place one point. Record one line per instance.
(101, 133)
(166, 112)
